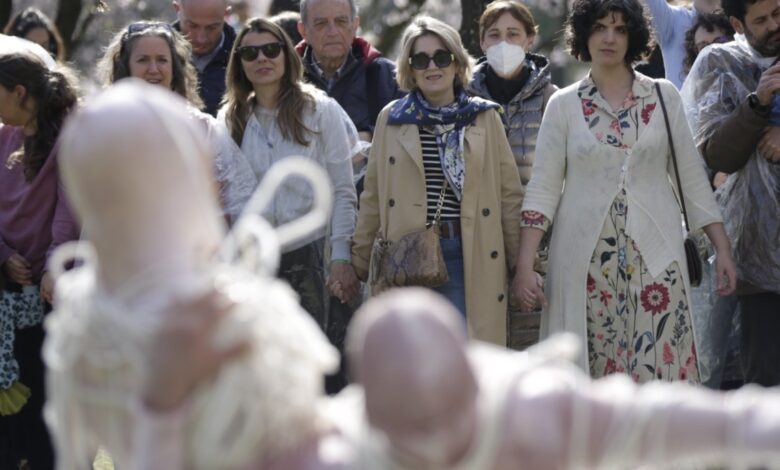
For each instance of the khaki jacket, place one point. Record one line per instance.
(394, 201)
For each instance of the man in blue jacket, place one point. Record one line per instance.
(203, 23)
(347, 67)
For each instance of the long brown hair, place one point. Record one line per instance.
(294, 95)
(31, 18)
(54, 95)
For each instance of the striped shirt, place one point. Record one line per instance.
(434, 179)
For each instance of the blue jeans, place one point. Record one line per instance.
(455, 289)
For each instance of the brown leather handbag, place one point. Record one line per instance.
(415, 259)
(692, 258)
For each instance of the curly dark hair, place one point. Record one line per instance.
(584, 13)
(710, 22)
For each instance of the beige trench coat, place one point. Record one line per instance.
(394, 201)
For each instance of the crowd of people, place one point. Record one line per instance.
(479, 179)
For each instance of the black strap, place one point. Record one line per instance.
(674, 155)
(372, 91)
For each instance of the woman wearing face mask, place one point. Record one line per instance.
(520, 82)
(511, 76)
(156, 53)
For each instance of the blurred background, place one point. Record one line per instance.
(87, 25)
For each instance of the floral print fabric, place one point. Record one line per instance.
(17, 310)
(637, 324)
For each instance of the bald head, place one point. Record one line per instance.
(202, 22)
(402, 320)
(407, 349)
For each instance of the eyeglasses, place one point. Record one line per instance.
(441, 58)
(270, 51)
(140, 26)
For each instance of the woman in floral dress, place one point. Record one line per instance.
(618, 276)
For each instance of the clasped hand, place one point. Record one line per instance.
(528, 290)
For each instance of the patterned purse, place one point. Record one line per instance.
(695, 270)
(415, 259)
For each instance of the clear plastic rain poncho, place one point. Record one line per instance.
(143, 192)
(234, 177)
(721, 78)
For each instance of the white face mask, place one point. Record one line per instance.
(505, 58)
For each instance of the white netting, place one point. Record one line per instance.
(96, 357)
(98, 337)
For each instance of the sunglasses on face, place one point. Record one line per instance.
(270, 51)
(441, 59)
(140, 26)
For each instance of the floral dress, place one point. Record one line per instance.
(637, 324)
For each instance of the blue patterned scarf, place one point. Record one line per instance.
(447, 123)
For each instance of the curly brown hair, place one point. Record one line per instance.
(115, 63)
(584, 13)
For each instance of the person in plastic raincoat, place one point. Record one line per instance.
(728, 97)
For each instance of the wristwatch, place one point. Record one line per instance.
(755, 105)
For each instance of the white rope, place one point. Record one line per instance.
(260, 404)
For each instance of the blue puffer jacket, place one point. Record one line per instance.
(365, 86)
(211, 81)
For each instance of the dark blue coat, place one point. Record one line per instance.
(211, 81)
(365, 85)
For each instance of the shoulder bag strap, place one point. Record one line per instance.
(674, 154)
(440, 204)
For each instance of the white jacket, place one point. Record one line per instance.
(332, 144)
(576, 178)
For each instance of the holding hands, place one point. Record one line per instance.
(528, 290)
(343, 282)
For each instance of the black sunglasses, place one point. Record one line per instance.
(140, 26)
(441, 58)
(270, 51)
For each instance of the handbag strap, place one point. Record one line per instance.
(674, 155)
(439, 204)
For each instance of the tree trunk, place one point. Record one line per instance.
(5, 12)
(469, 26)
(392, 26)
(68, 13)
